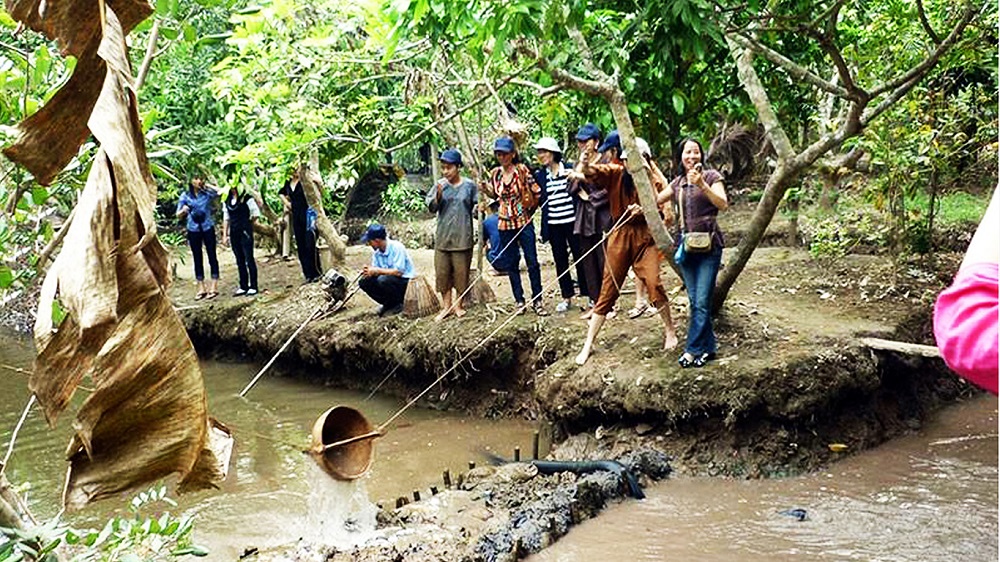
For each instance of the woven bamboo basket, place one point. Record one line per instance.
(420, 299)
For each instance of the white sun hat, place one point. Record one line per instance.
(643, 147)
(548, 143)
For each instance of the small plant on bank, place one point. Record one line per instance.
(122, 539)
(833, 236)
(401, 200)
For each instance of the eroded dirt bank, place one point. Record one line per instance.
(792, 378)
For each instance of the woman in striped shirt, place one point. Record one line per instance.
(558, 216)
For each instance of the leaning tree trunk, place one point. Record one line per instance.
(312, 185)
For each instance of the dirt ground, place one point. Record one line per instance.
(792, 376)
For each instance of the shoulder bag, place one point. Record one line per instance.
(693, 242)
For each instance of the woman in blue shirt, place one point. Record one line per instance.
(195, 205)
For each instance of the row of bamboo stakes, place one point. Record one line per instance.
(446, 479)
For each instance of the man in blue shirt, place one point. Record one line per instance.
(385, 280)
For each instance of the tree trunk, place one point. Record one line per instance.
(312, 185)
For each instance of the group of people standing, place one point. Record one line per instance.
(239, 212)
(590, 211)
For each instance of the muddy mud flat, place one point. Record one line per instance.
(794, 387)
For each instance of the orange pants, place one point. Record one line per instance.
(630, 246)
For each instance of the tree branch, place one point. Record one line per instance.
(460, 110)
(793, 69)
(927, 25)
(586, 55)
(147, 60)
(542, 91)
(903, 83)
(54, 243)
(758, 95)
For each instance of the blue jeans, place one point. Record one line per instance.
(700, 271)
(511, 259)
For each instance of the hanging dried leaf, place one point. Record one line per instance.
(147, 416)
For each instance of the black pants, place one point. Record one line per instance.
(593, 265)
(197, 238)
(305, 243)
(561, 237)
(387, 290)
(241, 240)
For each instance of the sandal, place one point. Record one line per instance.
(200, 296)
(686, 360)
(702, 359)
(212, 295)
(637, 311)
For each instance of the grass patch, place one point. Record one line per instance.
(955, 208)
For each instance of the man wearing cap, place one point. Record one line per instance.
(591, 220)
(558, 216)
(453, 198)
(513, 185)
(386, 278)
(631, 244)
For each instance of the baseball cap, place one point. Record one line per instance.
(587, 132)
(611, 142)
(503, 144)
(451, 156)
(375, 232)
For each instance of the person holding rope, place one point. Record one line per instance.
(590, 221)
(385, 280)
(513, 185)
(629, 244)
(700, 195)
(558, 216)
(453, 198)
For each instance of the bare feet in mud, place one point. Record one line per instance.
(582, 357)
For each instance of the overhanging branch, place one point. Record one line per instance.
(795, 70)
(903, 83)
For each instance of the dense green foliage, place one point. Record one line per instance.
(241, 91)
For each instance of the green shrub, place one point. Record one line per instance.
(122, 539)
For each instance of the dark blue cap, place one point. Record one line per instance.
(503, 144)
(587, 132)
(375, 232)
(451, 156)
(611, 142)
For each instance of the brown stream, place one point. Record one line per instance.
(928, 496)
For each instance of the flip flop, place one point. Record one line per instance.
(200, 296)
(212, 295)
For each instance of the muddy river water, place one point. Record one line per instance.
(931, 495)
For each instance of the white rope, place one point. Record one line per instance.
(621, 221)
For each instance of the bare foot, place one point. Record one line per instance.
(583, 356)
(460, 312)
(442, 315)
(669, 340)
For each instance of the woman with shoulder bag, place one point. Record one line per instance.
(699, 195)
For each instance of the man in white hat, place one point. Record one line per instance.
(558, 217)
